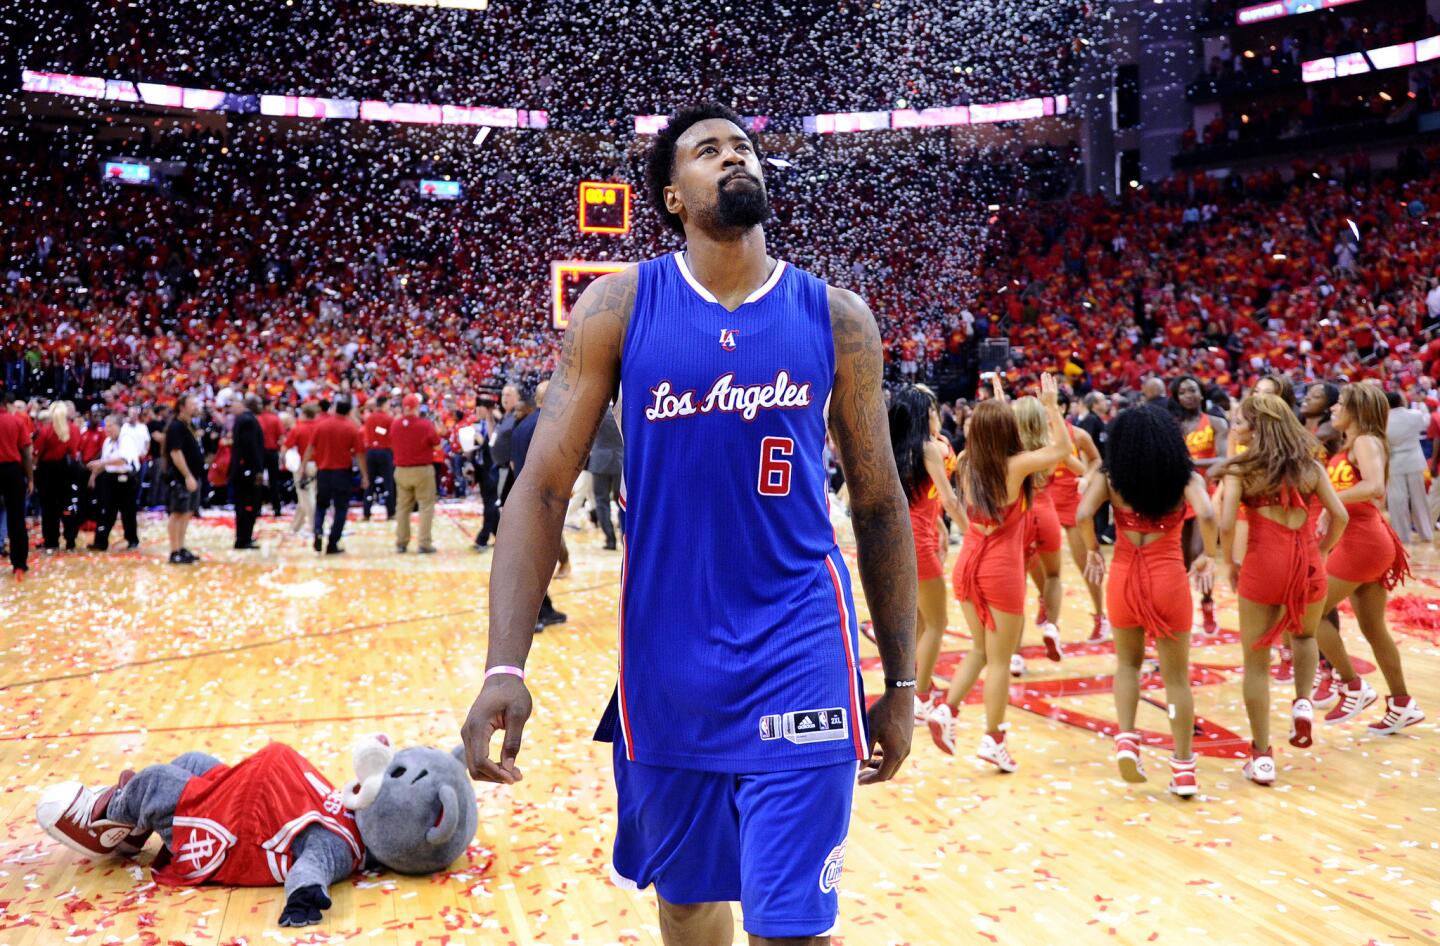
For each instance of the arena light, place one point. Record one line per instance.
(568, 278)
(604, 207)
(442, 4)
(1397, 56)
(1274, 10)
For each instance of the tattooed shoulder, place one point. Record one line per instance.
(851, 323)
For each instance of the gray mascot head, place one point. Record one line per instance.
(415, 808)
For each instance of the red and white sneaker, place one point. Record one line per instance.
(1101, 631)
(1051, 633)
(1261, 767)
(942, 727)
(1302, 717)
(1017, 665)
(868, 629)
(1397, 715)
(75, 816)
(994, 750)
(923, 708)
(1208, 624)
(1355, 697)
(1285, 671)
(1127, 756)
(1182, 777)
(1324, 695)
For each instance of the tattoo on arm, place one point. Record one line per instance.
(878, 509)
(585, 380)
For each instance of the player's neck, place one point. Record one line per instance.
(731, 268)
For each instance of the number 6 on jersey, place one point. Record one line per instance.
(774, 469)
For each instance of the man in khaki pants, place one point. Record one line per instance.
(413, 440)
(298, 440)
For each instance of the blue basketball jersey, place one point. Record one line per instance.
(739, 649)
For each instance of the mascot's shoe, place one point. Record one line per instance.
(75, 816)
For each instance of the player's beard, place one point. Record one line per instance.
(740, 207)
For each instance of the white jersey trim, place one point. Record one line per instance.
(708, 296)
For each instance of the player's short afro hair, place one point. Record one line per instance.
(660, 164)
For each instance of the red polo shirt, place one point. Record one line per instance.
(413, 438)
(300, 435)
(337, 441)
(272, 428)
(48, 446)
(377, 430)
(91, 442)
(13, 437)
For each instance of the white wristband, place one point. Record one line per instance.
(513, 671)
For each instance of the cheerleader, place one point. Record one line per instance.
(996, 477)
(1282, 585)
(1065, 486)
(1368, 562)
(1206, 440)
(1042, 546)
(1151, 484)
(925, 461)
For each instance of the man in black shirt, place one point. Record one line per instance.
(247, 465)
(183, 464)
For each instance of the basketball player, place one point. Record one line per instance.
(738, 722)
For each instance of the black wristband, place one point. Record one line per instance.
(896, 684)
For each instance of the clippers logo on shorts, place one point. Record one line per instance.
(831, 869)
(727, 338)
(822, 725)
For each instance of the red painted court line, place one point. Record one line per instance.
(248, 725)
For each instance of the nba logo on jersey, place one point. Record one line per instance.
(727, 339)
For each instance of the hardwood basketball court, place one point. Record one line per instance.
(121, 660)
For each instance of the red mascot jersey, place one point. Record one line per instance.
(235, 825)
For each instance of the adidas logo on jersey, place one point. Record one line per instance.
(822, 725)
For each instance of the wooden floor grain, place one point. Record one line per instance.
(120, 660)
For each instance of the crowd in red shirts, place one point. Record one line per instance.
(254, 283)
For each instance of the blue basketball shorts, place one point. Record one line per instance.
(775, 841)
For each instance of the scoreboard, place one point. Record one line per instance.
(568, 278)
(604, 207)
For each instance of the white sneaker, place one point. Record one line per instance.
(1127, 756)
(1397, 717)
(923, 708)
(1017, 665)
(996, 752)
(1261, 768)
(1354, 698)
(1302, 717)
(73, 814)
(1051, 633)
(942, 727)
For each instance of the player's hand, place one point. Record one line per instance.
(304, 907)
(503, 703)
(364, 482)
(1049, 391)
(1202, 570)
(892, 723)
(190, 484)
(1095, 567)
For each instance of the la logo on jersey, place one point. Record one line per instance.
(727, 338)
(830, 870)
